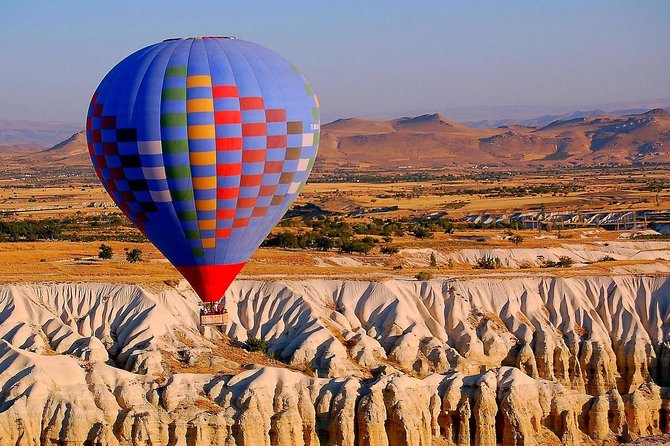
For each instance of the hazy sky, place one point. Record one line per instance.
(363, 58)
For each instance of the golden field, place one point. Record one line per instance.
(616, 189)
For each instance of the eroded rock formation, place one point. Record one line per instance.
(519, 361)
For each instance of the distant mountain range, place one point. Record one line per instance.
(432, 141)
(491, 116)
(541, 121)
(32, 136)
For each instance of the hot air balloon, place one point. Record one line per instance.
(204, 143)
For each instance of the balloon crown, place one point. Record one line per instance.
(200, 37)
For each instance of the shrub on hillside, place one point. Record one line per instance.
(489, 262)
(255, 345)
(282, 239)
(422, 232)
(134, 255)
(324, 243)
(351, 246)
(389, 249)
(563, 262)
(105, 252)
(424, 275)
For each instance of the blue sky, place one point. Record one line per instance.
(363, 58)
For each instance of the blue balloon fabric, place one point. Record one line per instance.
(204, 143)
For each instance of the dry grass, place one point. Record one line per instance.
(580, 331)
(609, 190)
(234, 355)
(208, 406)
(52, 201)
(225, 348)
(77, 261)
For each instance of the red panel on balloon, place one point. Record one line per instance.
(225, 193)
(224, 91)
(253, 156)
(225, 214)
(251, 103)
(276, 141)
(248, 202)
(226, 144)
(254, 129)
(210, 281)
(227, 117)
(227, 170)
(275, 115)
(251, 180)
(273, 166)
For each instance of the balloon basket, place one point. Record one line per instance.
(213, 314)
(214, 319)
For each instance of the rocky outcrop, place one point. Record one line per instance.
(483, 361)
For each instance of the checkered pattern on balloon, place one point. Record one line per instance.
(204, 143)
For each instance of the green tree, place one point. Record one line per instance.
(369, 240)
(489, 262)
(282, 239)
(565, 261)
(255, 345)
(422, 232)
(424, 275)
(353, 245)
(389, 249)
(134, 255)
(657, 186)
(324, 243)
(105, 252)
(433, 260)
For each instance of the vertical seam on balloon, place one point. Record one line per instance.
(283, 211)
(307, 172)
(246, 228)
(225, 240)
(239, 181)
(122, 68)
(102, 96)
(186, 244)
(146, 68)
(260, 228)
(152, 51)
(287, 204)
(170, 204)
(223, 56)
(188, 247)
(135, 57)
(190, 167)
(211, 89)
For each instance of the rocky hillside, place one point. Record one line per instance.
(521, 361)
(33, 136)
(433, 141)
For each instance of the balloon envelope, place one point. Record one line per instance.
(204, 143)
